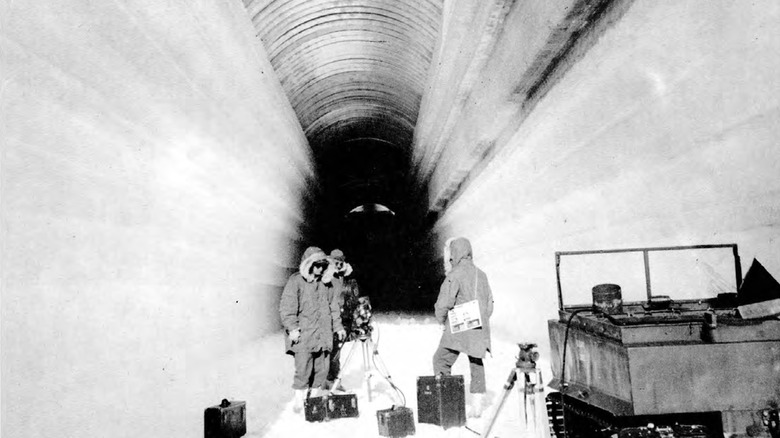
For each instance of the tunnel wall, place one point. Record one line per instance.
(664, 133)
(151, 168)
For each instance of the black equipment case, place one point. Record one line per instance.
(441, 400)
(225, 420)
(395, 422)
(330, 407)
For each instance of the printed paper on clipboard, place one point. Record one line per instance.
(464, 317)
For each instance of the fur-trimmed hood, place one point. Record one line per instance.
(331, 270)
(345, 271)
(310, 256)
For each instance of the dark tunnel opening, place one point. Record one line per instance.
(356, 86)
(394, 253)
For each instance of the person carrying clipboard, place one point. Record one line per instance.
(463, 308)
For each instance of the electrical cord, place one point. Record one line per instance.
(383, 370)
(563, 384)
(472, 430)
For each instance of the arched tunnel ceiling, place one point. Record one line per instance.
(364, 81)
(351, 68)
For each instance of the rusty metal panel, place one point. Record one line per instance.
(596, 368)
(704, 377)
(630, 330)
(683, 332)
(742, 331)
(673, 377)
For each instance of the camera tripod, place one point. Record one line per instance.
(370, 356)
(533, 410)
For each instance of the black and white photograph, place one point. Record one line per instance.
(390, 218)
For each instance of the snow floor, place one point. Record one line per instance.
(405, 345)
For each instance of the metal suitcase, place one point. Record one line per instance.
(331, 407)
(225, 420)
(395, 422)
(342, 406)
(314, 409)
(441, 400)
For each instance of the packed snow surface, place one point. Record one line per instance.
(405, 345)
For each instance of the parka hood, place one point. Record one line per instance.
(332, 271)
(447, 255)
(345, 271)
(456, 250)
(337, 255)
(310, 256)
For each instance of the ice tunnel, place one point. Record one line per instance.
(164, 164)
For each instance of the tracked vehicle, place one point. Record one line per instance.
(671, 357)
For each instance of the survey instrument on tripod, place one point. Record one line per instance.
(372, 362)
(533, 409)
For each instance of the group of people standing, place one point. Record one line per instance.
(315, 310)
(315, 306)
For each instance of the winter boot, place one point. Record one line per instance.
(477, 404)
(298, 397)
(333, 386)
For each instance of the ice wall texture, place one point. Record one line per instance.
(664, 133)
(152, 170)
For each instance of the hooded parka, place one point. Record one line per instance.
(311, 306)
(347, 292)
(463, 283)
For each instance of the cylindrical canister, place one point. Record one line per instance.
(607, 298)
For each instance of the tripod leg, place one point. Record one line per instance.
(531, 394)
(510, 382)
(542, 420)
(381, 368)
(367, 368)
(524, 407)
(534, 417)
(344, 365)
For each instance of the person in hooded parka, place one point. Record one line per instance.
(348, 292)
(464, 282)
(310, 313)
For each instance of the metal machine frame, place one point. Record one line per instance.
(646, 253)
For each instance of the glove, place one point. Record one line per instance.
(341, 334)
(295, 335)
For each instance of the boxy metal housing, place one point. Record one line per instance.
(649, 362)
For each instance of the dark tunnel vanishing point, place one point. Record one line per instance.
(395, 256)
(356, 83)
